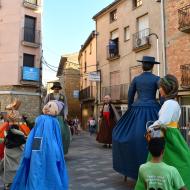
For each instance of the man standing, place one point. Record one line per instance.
(56, 95)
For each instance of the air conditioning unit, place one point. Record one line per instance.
(142, 41)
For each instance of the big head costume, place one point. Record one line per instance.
(43, 165)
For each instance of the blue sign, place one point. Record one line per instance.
(76, 93)
(31, 73)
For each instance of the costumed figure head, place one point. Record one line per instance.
(53, 108)
(12, 111)
(169, 86)
(107, 99)
(56, 87)
(148, 63)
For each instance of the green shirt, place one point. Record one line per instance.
(160, 176)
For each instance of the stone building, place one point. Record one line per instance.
(20, 54)
(132, 28)
(69, 77)
(88, 95)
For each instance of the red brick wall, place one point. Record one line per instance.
(177, 42)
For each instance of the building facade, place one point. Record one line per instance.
(177, 34)
(20, 54)
(69, 77)
(88, 88)
(126, 30)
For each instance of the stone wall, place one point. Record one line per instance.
(30, 104)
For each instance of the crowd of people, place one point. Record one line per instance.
(146, 142)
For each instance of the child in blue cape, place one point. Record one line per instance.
(43, 166)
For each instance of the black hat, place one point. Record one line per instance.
(56, 85)
(148, 59)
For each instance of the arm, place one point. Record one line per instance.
(65, 107)
(183, 188)
(165, 114)
(131, 93)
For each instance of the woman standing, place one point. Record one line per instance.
(129, 144)
(107, 122)
(177, 152)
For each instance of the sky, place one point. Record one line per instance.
(66, 26)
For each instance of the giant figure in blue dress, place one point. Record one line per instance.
(129, 144)
(43, 166)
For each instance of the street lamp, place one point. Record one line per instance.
(157, 50)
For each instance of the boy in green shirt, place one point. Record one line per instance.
(155, 174)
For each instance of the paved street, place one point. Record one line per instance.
(90, 166)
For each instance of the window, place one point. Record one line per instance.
(126, 33)
(115, 85)
(113, 46)
(28, 60)
(85, 65)
(137, 3)
(29, 29)
(90, 49)
(113, 16)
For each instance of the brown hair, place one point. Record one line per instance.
(170, 86)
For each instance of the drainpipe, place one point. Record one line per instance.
(163, 37)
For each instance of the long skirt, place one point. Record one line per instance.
(177, 154)
(65, 133)
(10, 163)
(105, 131)
(129, 145)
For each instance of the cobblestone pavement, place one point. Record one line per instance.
(90, 166)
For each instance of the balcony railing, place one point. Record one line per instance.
(113, 51)
(184, 19)
(88, 93)
(184, 122)
(117, 92)
(141, 40)
(31, 37)
(185, 76)
(31, 4)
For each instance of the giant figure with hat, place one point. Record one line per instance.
(129, 144)
(43, 166)
(65, 131)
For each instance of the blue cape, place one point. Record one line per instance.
(42, 166)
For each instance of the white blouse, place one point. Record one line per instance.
(169, 112)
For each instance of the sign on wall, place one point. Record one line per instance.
(94, 76)
(31, 73)
(76, 93)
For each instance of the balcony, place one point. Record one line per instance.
(31, 4)
(184, 19)
(31, 38)
(117, 92)
(141, 40)
(185, 76)
(88, 93)
(113, 50)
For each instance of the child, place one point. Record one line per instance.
(92, 125)
(155, 174)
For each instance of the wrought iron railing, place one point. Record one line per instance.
(32, 36)
(185, 122)
(184, 19)
(113, 51)
(141, 39)
(88, 93)
(185, 76)
(117, 92)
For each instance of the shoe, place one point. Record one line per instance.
(105, 146)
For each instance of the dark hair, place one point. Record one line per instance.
(170, 86)
(156, 146)
(146, 66)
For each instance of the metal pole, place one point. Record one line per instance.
(157, 51)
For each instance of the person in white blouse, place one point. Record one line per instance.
(177, 152)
